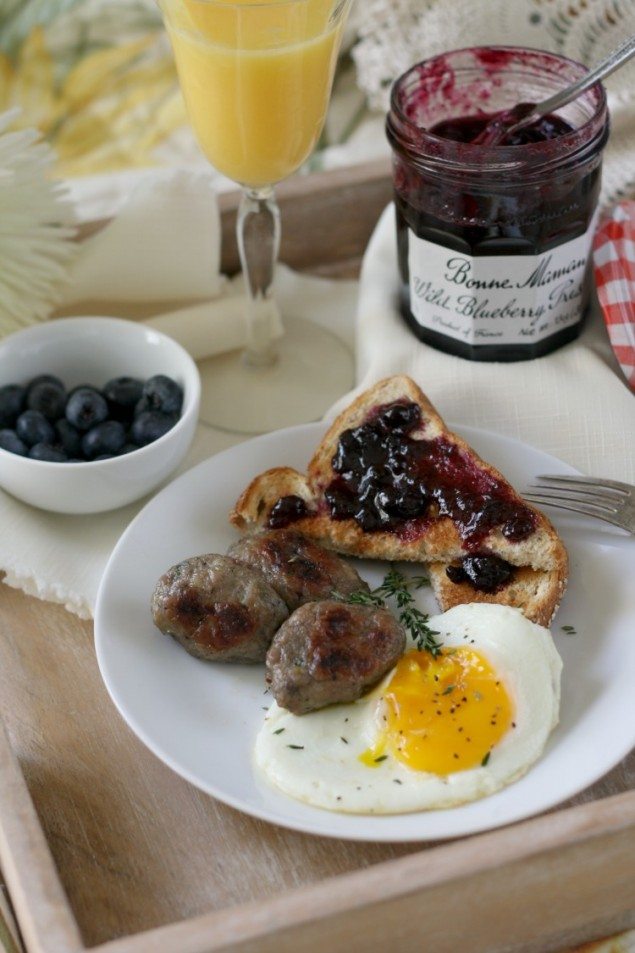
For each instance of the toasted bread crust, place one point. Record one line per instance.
(535, 592)
(255, 502)
(437, 542)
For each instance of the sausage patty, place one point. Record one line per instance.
(299, 570)
(329, 652)
(218, 609)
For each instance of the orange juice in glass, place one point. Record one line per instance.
(257, 78)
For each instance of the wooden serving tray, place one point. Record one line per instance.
(103, 848)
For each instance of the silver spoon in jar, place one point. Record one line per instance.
(524, 114)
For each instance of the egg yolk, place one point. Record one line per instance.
(441, 714)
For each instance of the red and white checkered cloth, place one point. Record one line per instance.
(614, 262)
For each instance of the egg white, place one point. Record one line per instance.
(314, 757)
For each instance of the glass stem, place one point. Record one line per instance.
(258, 231)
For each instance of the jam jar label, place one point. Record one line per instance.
(498, 299)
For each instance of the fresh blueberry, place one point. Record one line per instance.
(79, 387)
(10, 441)
(86, 408)
(150, 425)
(128, 448)
(68, 438)
(44, 451)
(48, 398)
(11, 404)
(45, 379)
(161, 393)
(105, 438)
(122, 394)
(32, 427)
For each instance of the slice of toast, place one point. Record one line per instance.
(536, 592)
(462, 498)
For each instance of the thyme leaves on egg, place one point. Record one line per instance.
(485, 759)
(296, 747)
(397, 587)
(569, 629)
(417, 624)
(278, 731)
(448, 690)
(382, 757)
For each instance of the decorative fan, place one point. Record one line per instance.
(35, 229)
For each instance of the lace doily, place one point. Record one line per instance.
(394, 34)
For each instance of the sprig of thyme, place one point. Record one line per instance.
(417, 624)
(396, 586)
(363, 598)
(419, 582)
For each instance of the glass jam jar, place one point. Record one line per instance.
(494, 240)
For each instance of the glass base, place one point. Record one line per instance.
(314, 368)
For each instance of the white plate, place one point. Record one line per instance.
(201, 719)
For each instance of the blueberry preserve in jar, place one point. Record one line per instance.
(494, 239)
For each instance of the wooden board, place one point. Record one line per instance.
(104, 848)
(327, 219)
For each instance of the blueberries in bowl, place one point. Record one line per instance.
(149, 425)
(86, 408)
(44, 451)
(45, 379)
(162, 394)
(32, 427)
(11, 404)
(44, 422)
(48, 398)
(105, 439)
(10, 441)
(123, 394)
(68, 438)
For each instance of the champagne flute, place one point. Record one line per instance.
(257, 78)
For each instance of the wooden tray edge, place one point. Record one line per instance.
(593, 843)
(44, 915)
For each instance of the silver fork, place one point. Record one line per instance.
(607, 500)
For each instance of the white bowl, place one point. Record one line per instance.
(93, 351)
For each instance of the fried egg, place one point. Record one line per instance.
(437, 732)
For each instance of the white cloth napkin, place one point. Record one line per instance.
(573, 403)
(163, 246)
